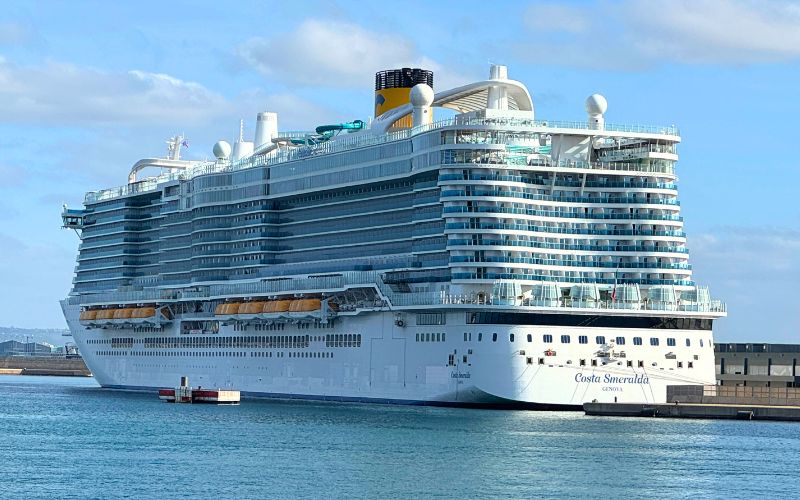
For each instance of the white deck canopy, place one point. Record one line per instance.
(470, 97)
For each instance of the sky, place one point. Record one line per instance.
(89, 87)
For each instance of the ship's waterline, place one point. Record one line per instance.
(490, 259)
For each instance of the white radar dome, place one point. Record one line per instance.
(222, 150)
(596, 104)
(421, 95)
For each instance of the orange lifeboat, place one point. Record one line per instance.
(282, 305)
(304, 305)
(88, 315)
(124, 313)
(251, 307)
(105, 314)
(144, 312)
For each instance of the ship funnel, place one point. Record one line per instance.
(393, 89)
(266, 128)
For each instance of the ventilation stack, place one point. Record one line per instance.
(393, 89)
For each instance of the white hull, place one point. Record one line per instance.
(390, 365)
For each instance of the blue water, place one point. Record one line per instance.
(66, 438)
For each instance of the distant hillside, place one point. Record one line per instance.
(54, 336)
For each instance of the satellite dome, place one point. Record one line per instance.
(421, 95)
(596, 104)
(222, 150)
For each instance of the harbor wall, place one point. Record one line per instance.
(43, 365)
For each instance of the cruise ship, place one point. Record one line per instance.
(484, 258)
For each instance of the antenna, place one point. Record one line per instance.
(241, 130)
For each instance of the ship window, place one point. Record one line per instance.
(701, 342)
(547, 339)
(641, 364)
(653, 341)
(671, 342)
(600, 339)
(480, 337)
(688, 343)
(465, 336)
(620, 340)
(583, 339)
(637, 340)
(690, 364)
(494, 337)
(541, 361)
(565, 339)
(629, 363)
(582, 362)
(594, 362)
(680, 364)
(427, 337)
(530, 338)
(511, 337)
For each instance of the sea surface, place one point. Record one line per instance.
(67, 438)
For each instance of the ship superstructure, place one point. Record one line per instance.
(491, 258)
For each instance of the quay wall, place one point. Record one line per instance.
(43, 365)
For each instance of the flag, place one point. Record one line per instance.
(185, 144)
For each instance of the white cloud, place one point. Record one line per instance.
(640, 33)
(334, 54)
(66, 94)
(755, 270)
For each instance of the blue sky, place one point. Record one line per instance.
(88, 88)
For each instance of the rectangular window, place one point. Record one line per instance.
(547, 339)
(494, 337)
(690, 364)
(653, 341)
(688, 343)
(594, 362)
(530, 338)
(680, 364)
(620, 340)
(629, 363)
(671, 342)
(511, 337)
(430, 318)
(641, 364)
(637, 340)
(583, 339)
(582, 362)
(600, 339)
(565, 339)
(541, 361)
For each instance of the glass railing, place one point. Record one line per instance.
(558, 213)
(561, 230)
(627, 200)
(570, 263)
(548, 182)
(564, 246)
(567, 279)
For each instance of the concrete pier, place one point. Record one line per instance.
(711, 401)
(691, 410)
(43, 365)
